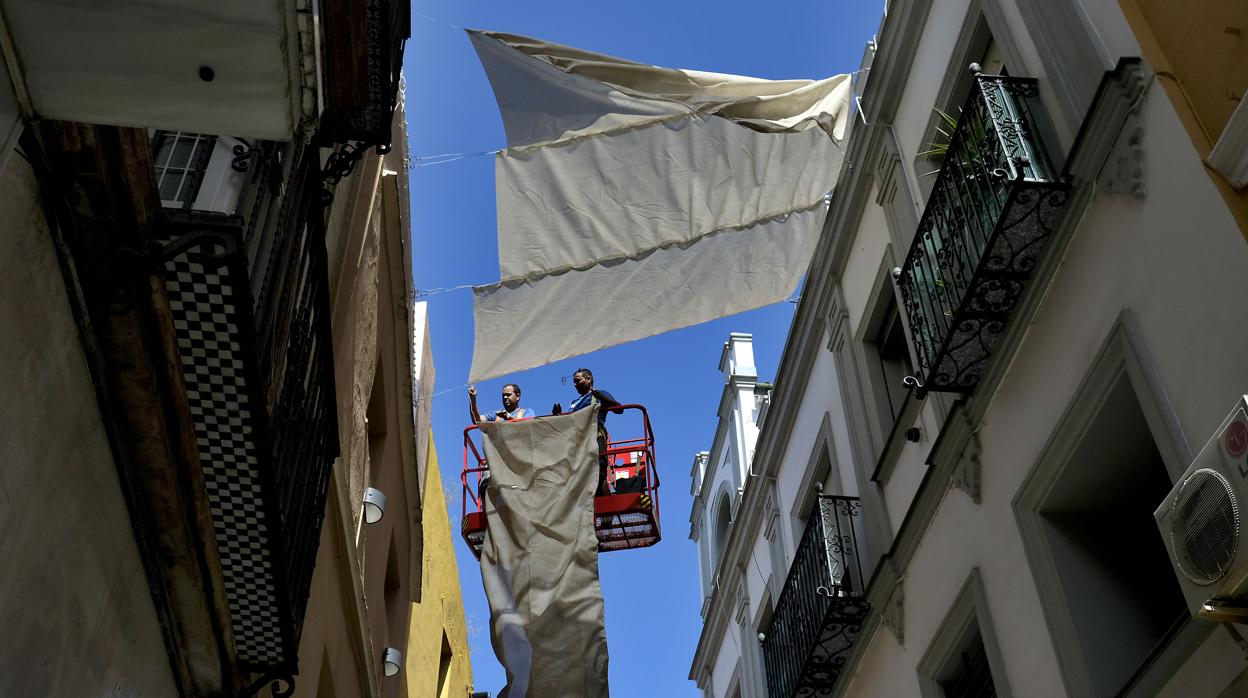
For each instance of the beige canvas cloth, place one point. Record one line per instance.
(628, 193)
(539, 560)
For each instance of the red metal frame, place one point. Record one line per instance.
(622, 520)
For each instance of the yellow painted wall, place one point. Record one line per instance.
(1199, 49)
(440, 612)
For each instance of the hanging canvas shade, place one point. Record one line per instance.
(633, 200)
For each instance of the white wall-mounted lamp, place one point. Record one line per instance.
(393, 661)
(374, 505)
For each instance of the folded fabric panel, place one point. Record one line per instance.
(571, 205)
(523, 325)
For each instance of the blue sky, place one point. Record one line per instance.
(653, 595)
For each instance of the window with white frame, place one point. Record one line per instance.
(985, 39)
(892, 358)
(1116, 600)
(962, 660)
(181, 159)
(888, 362)
(883, 357)
(970, 676)
(1119, 622)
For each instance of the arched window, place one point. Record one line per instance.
(723, 519)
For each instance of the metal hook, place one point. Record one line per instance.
(912, 382)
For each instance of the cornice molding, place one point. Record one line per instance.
(897, 44)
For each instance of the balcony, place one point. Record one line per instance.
(994, 205)
(227, 66)
(364, 42)
(822, 606)
(248, 291)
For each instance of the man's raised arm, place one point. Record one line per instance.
(472, 404)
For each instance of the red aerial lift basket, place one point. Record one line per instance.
(627, 517)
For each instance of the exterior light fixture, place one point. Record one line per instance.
(374, 505)
(393, 661)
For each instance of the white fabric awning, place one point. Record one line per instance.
(633, 200)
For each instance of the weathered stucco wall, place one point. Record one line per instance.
(75, 607)
(332, 661)
(360, 592)
(441, 608)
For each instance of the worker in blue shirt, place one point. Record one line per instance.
(511, 406)
(512, 411)
(583, 381)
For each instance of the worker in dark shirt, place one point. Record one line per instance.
(587, 394)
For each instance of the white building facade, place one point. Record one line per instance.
(1007, 352)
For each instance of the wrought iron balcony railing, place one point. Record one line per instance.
(250, 302)
(822, 606)
(994, 204)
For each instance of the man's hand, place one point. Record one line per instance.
(472, 392)
(501, 414)
(557, 409)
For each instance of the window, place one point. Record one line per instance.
(971, 676)
(883, 357)
(181, 159)
(396, 601)
(377, 421)
(325, 681)
(963, 660)
(894, 361)
(1119, 622)
(987, 53)
(984, 38)
(821, 477)
(723, 521)
(1096, 520)
(444, 668)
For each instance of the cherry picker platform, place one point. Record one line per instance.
(626, 517)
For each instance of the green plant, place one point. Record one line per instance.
(940, 148)
(974, 132)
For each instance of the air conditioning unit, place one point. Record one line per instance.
(1202, 519)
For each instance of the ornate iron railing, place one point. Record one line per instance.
(293, 330)
(250, 300)
(821, 608)
(995, 202)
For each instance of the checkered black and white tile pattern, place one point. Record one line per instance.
(206, 325)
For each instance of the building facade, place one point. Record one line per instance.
(214, 356)
(1011, 343)
(438, 638)
(720, 473)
